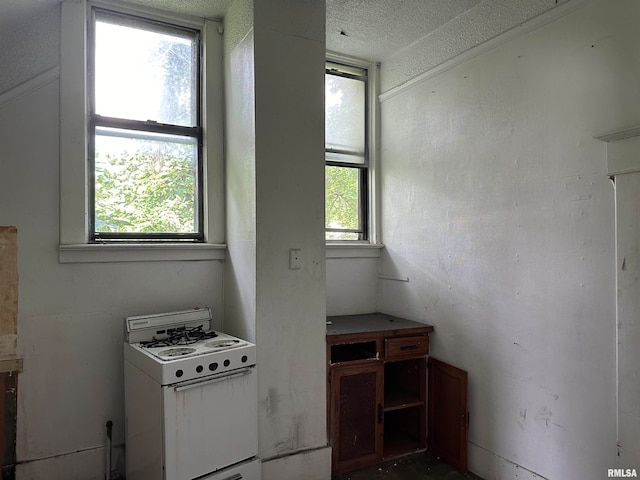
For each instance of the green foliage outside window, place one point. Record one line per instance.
(145, 192)
(341, 201)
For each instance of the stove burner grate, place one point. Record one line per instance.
(176, 352)
(222, 343)
(180, 336)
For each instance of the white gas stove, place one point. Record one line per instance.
(179, 346)
(190, 399)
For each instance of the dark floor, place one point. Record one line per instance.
(421, 466)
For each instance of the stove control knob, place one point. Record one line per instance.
(199, 368)
(213, 366)
(244, 359)
(179, 373)
(227, 363)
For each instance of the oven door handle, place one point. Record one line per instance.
(219, 379)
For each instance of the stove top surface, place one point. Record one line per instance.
(174, 348)
(180, 335)
(183, 346)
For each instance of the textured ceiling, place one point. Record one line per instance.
(14, 13)
(369, 29)
(376, 29)
(407, 36)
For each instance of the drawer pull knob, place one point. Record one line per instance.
(409, 347)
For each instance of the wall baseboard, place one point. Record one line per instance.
(80, 465)
(488, 464)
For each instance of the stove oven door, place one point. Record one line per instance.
(210, 424)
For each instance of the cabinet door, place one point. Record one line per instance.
(447, 429)
(356, 416)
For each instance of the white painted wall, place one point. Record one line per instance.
(289, 71)
(70, 318)
(497, 206)
(240, 172)
(352, 285)
(275, 192)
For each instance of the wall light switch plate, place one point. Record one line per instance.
(295, 258)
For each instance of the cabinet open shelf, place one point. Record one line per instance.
(401, 399)
(351, 352)
(400, 445)
(403, 431)
(405, 384)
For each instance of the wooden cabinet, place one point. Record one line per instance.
(377, 391)
(377, 394)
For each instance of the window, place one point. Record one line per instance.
(346, 152)
(145, 134)
(156, 114)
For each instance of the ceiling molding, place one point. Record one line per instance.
(29, 86)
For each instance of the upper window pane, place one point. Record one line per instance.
(143, 72)
(345, 118)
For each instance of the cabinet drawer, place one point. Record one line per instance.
(406, 347)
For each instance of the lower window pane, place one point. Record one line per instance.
(342, 193)
(145, 182)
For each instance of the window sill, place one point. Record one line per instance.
(110, 253)
(353, 250)
(101, 253)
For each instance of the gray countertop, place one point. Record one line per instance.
(369, 322)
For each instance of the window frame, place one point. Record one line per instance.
(75, 244)
(139, 126)
(368, 200)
